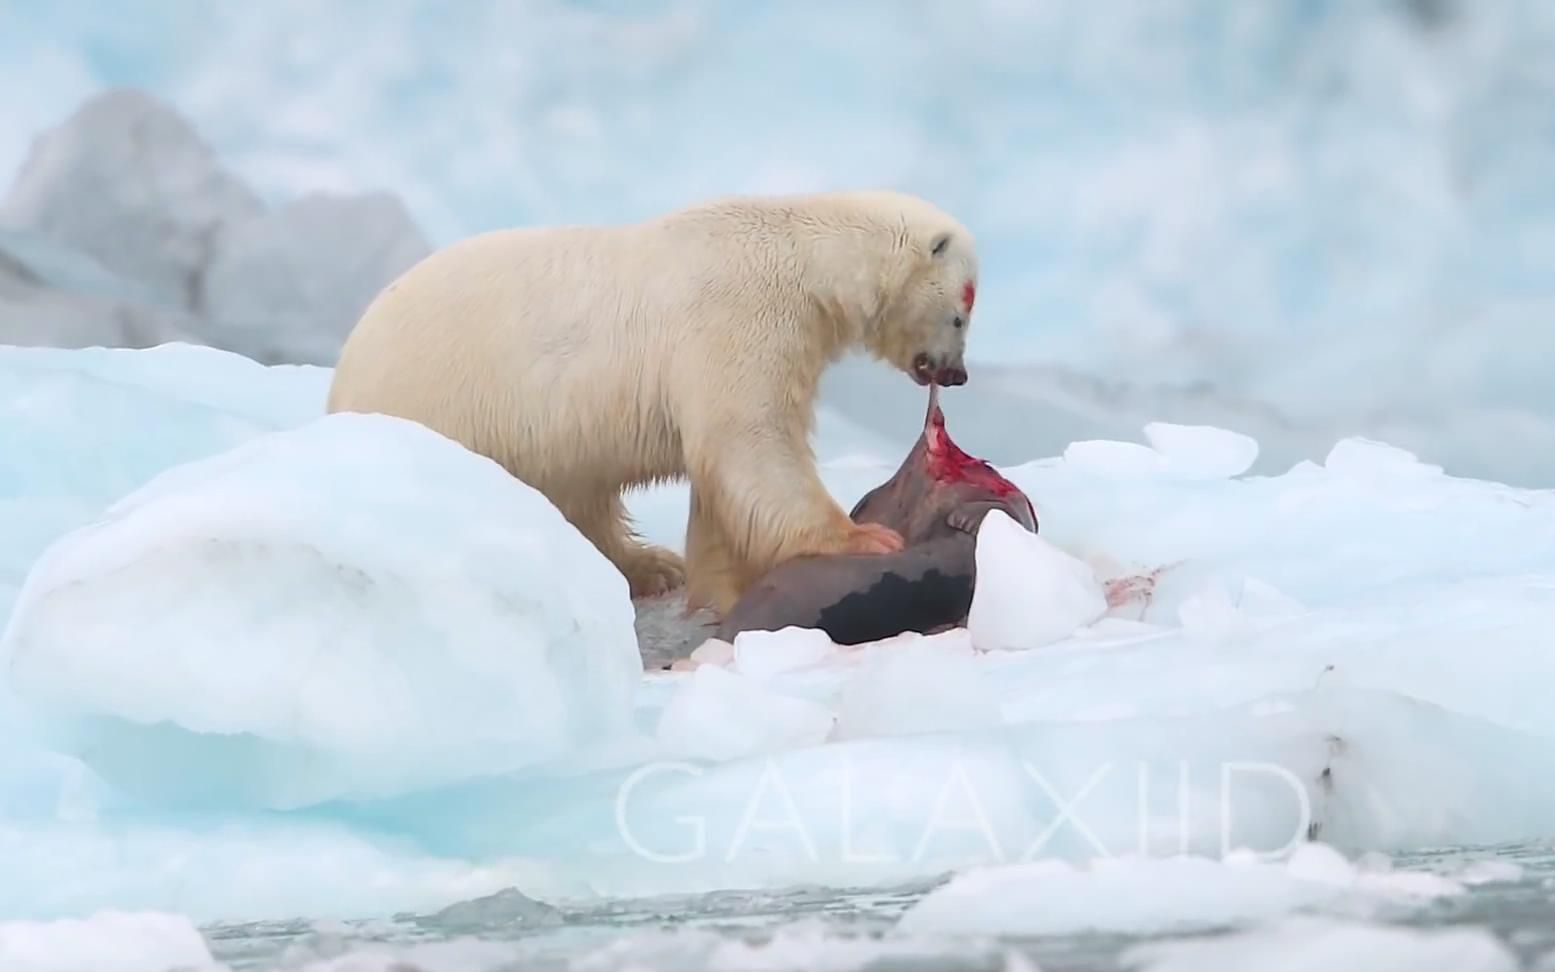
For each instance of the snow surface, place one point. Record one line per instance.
(1353, 650)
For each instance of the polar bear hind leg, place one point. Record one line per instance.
(600, 515)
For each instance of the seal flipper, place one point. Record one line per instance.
(967, 517)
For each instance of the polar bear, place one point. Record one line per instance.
(587, 360)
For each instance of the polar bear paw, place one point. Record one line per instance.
(873, 538)
(652, 570)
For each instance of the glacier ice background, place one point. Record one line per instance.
(1302, 219)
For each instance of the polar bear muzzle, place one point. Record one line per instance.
(943, 371)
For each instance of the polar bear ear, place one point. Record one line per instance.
(941, 244)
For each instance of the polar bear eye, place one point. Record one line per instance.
(941, 242)
(958, 321)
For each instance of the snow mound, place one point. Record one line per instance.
(355, 606)
(110, 941)
(1029, 593)
(1300, 944)
(1184, 451)
(1149, 896)
(766, 653)
(1202, 450)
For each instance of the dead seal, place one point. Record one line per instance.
(936, 500)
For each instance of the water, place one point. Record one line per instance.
(853, 924)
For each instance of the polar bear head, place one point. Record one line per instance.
(925, 310)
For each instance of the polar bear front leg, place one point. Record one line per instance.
(650, 570)
(712, 581)
(760, 485)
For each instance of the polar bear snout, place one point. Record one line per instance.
(944, 371)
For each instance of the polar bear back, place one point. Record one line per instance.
(596, 340)
(511, 339)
